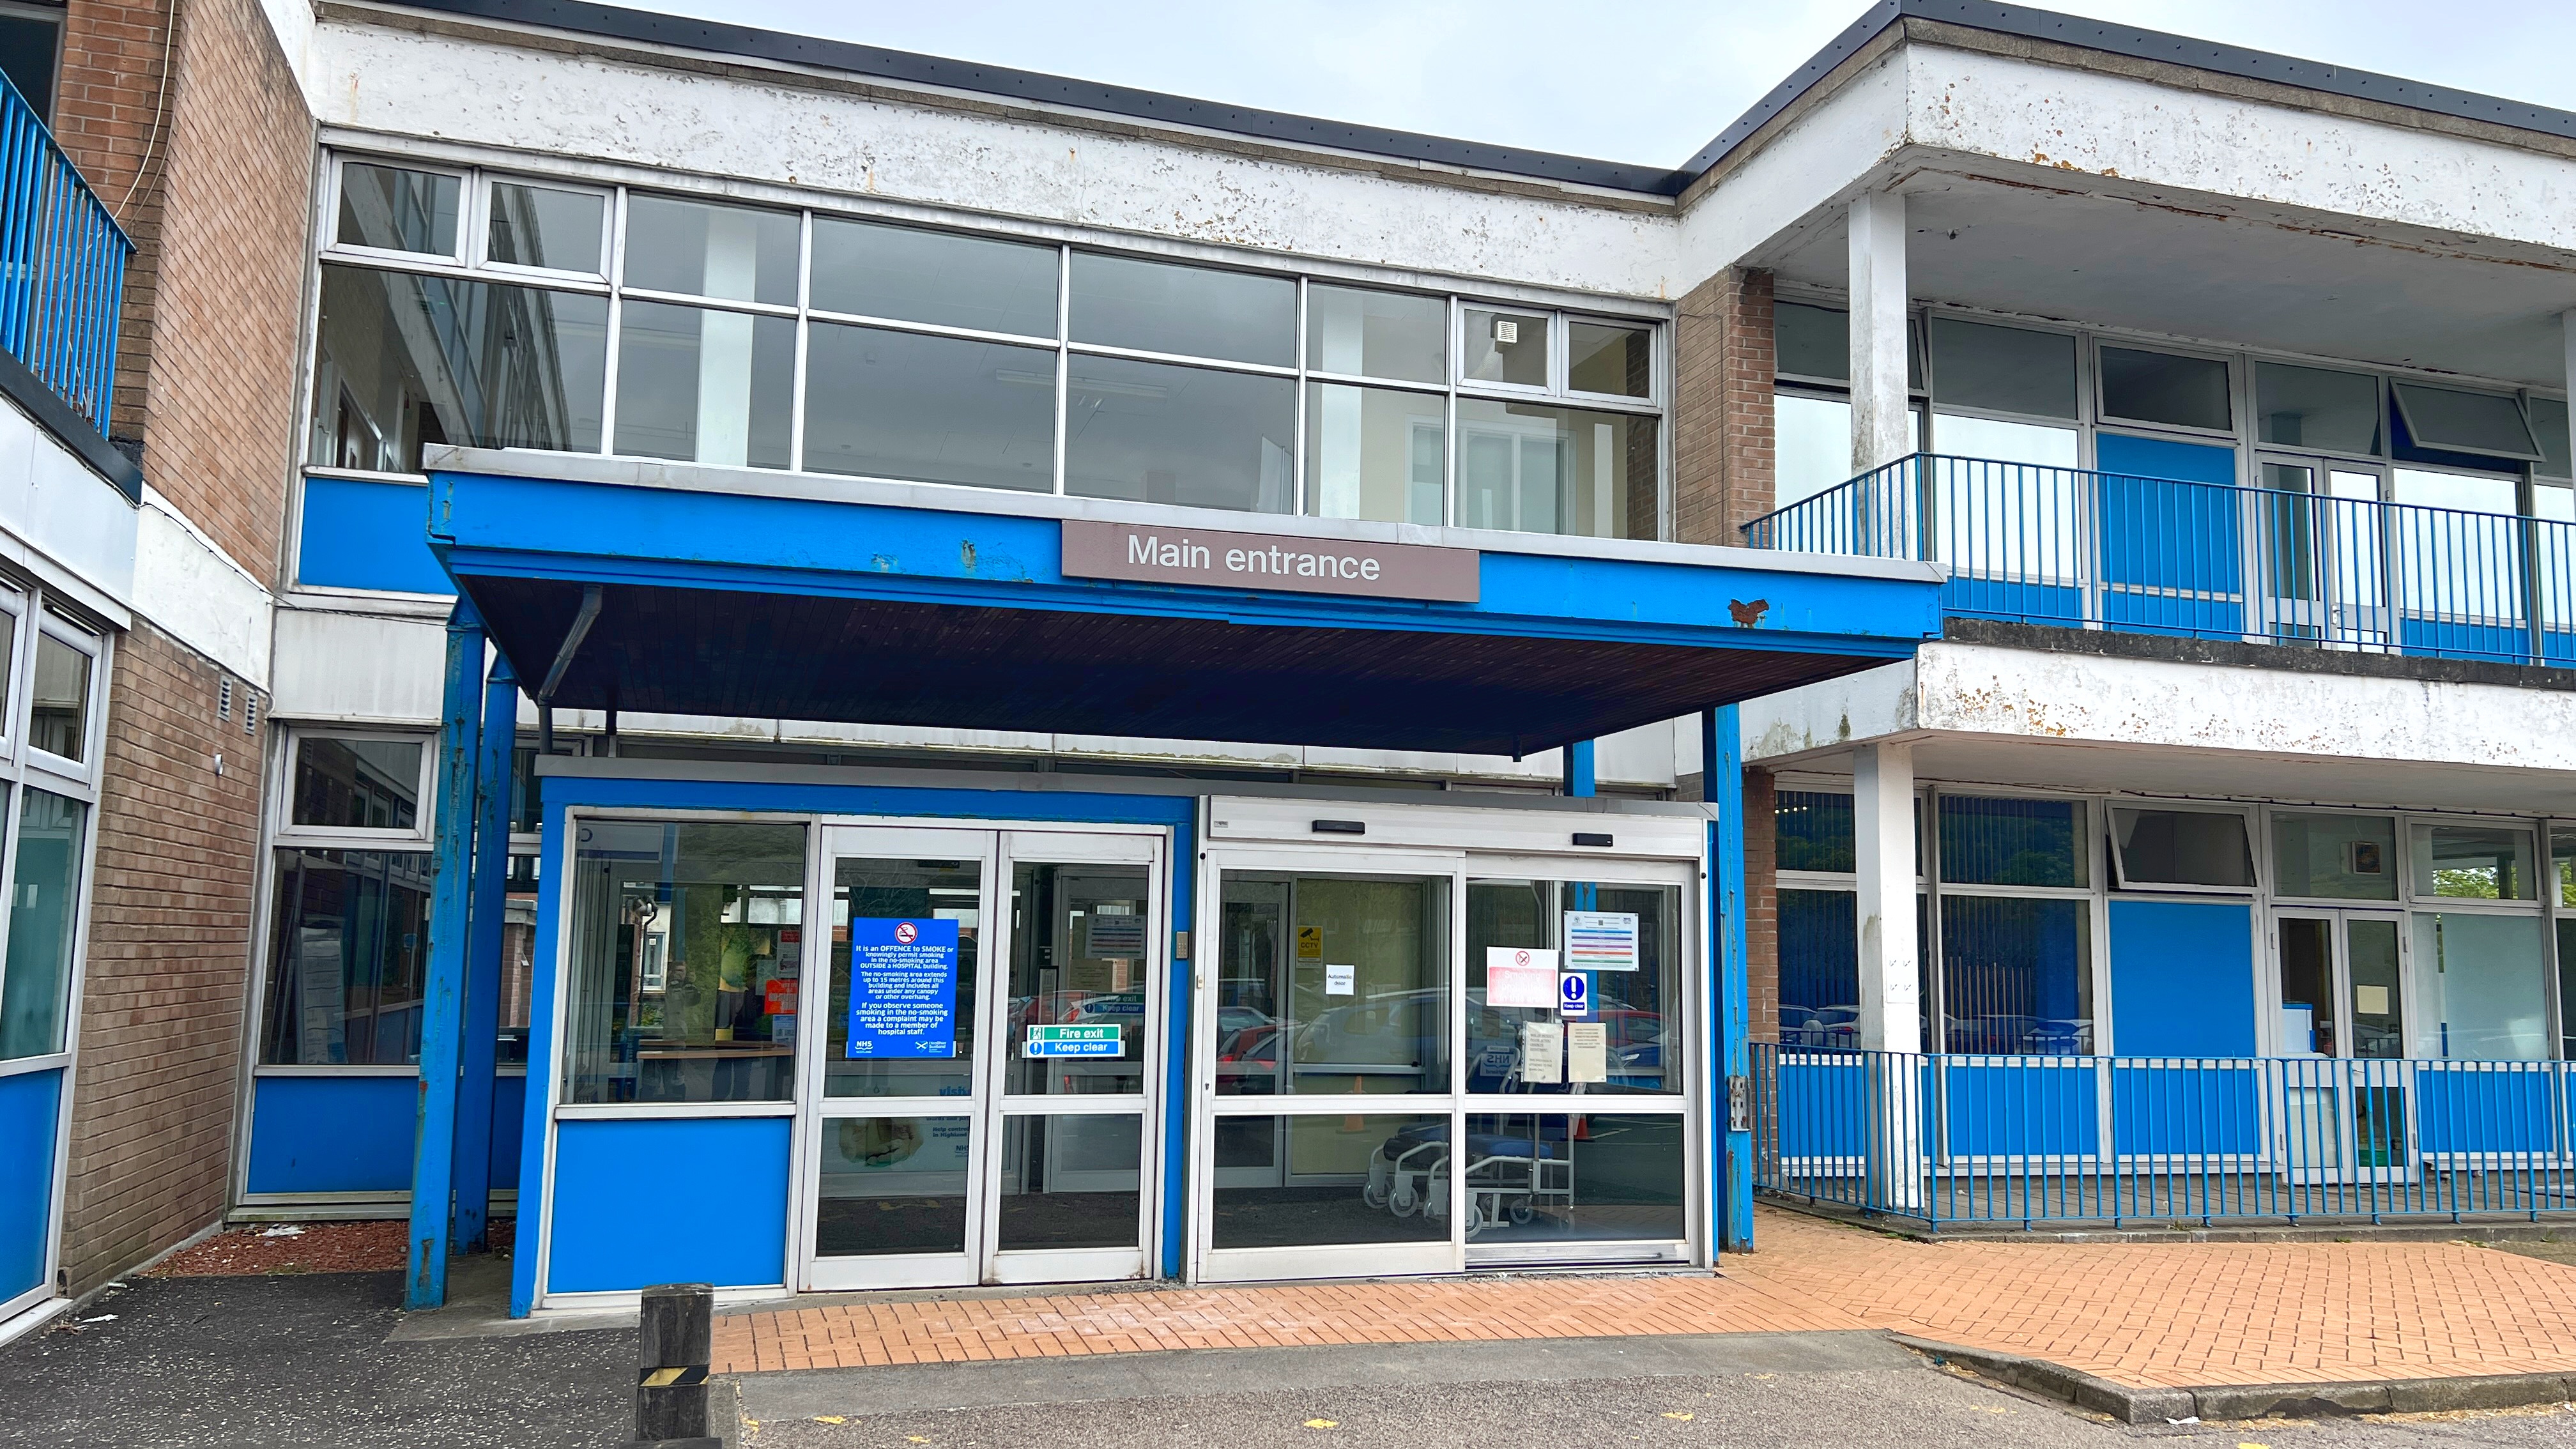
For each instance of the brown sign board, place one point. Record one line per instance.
(1159, 554)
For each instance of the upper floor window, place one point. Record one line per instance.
(463, 307)
(31, 43)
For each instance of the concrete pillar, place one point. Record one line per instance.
(1891, 984)
(1882, 431)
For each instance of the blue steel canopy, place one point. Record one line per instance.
(734, 593)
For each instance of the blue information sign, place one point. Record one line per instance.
(903, 988)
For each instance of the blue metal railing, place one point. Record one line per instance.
(2073, 546)
(62, 265)
(2028, 1140)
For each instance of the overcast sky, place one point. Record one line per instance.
(1623, 80)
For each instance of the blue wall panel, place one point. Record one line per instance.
(362, 535)
(332, 1134)
(30, 1107)
(2470, 1109)
(674, 1200)
(2206, 1110)
(2182, 979)
(2022, 1110)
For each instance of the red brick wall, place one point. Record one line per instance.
(112, 116)
(1722, 435)
(169, 946)
(1761, 906)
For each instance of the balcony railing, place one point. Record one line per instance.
(62, 265)
(2033, 1140)
(2072, 546)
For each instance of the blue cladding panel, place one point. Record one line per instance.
(1822, 1109)
(2452, 639)
(2182, 979)
(332, 1134)
(362, 535)
(29, 1106)
(2023, 1110)
(2160, 458)
(717, 1187)
(2005, 599)
(2171, 556)
(2470, 1109)
(509, 1107)
(2206, 1109)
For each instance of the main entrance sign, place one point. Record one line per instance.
(1152, 553)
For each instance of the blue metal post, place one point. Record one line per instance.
(433, 1170)
(482, 1014)
(1721, 754)
(1578, 768)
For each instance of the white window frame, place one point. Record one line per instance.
(83, 773)
(2120, 885)
(467, 209)
(479, 248)
(417, 837)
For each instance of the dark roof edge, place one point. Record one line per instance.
(2136, 44)
(652, 28)
(586, 17)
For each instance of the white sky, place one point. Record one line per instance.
(1633, 80)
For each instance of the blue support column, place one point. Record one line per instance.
(482, 1014)
(1578, 768)
(433, 1172)
(1721, 754)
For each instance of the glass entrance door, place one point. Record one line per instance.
(2346, 1113)
(977, 1087)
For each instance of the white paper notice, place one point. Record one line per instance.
(1520, 976)
(1600, 940)
(2370, 1000)
(1337, 980)
(1542, 1053)
(1587, 1051)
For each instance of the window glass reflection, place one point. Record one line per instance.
(732, 252)
(889, 1185)
(397, 210)
(2008, 841)
(1156, 433)
(357, 784)
(1361, 333)
(1604, 358)
(1332, 985)
(2017, 976)
(44, 917)
(58, 706)
(2002, 369)
(2310, 407)
(886, 404)
(925, 1044)
(1531, 1179)
(704, 386)
(911, 275)
(540, 226)
(2159, 387)
(1505, 347)
(1292, 1182)
(1079, 950)
(2475, 862)
(687, 953)
(1187, 311)
(1531, 468)
(348, 946)
(2334, 857)
(1071, 1182)
(1636, 1037)
(1374, 452)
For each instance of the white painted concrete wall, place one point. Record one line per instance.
(61, 522)
(191, 589)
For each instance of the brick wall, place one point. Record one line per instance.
(1722, 435)
(1761, 906)
(111, 115)
(169, 945)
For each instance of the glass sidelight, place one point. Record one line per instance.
(2346, 1108)
(992, 1004)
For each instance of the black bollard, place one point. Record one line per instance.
(677, 1339)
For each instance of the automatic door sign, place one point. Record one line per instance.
(903, 988)
(1520, 976)
(1073, 1041)
(1574, 994)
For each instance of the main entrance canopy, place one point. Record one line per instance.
(682, 590)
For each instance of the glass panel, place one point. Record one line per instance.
(2311, 1012)
(2002, 369)
(1811, 341)
(686, 953)
(1156, 433)
(1601, 358)
(539, 226)
(28, 45)
(2464, 547)
(1189, 311)
(2334, 857)
(518, 959)
(348, 946)
(2182, 847)
(2475, 862)
(1820, 968)
(1375, 453)
(2483, 986)
(1588, 1179)
(2035, 444)
(704, 386)
(2378, 1005)
(2549, 425)
(1376, 334)
(921, 924)
(2465, 422)
(1811, 441)
(2017, 976)
(407, 360)
(397, 210)
(2012, 842)
(892, 1185)
(1071, 1182)
(731, 252)
(357, 784)
(1333, 984)
(44, 914)
(948, 280)
(1079, 938)
(882, 404)
(2567, 986)
(58, 704)
(1332, 1179)
(2562, 864)
(2158, 387)
(1535, 469)
(1516, 1040)
(1813, 830)
(2289, 478)
(1505, 347)
(2308, 407)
